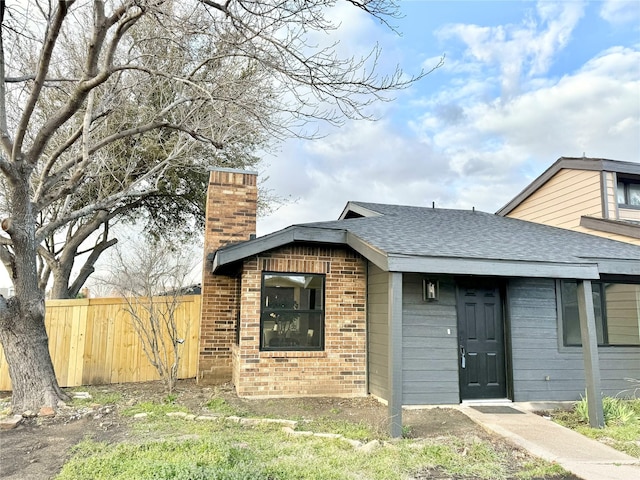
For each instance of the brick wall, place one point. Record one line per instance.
(339, 370)
(230, 217)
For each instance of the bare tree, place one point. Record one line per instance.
(152, 277)
(102, 100)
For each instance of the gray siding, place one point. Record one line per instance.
(378, 337)
(537, 354)
(429, 344)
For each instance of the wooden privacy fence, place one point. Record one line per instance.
(93, 342)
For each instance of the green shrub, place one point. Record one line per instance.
(616, 411)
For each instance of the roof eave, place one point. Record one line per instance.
(492, 267)
(615, 266)
(232, 254)
(374, 255)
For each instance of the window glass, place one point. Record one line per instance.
(628, 192)
(292, 315)
(570, 313)
(617, 313)
(633, 194)
(620, 193)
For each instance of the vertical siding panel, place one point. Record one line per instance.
(378, 336)
(430, 343)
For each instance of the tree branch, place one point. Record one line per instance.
(89, 265)
(90, 82)
(6, 257)
(5, 140)
(53, 30)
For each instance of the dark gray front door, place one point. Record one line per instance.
(481, 351)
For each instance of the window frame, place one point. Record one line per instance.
(562, 318)
(626, 195)
(264, 311)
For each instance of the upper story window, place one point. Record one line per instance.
(617, 312)
(628, 192)
(292, 311)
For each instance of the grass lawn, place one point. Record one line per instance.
(171, 447)
(622, 418)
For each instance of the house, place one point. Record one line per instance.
(6, 291)
(591, 195)
(413, 305)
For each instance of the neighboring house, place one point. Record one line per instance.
(413, 305)
(591, 195)
(6, 291)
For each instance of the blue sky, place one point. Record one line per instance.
(523, 84)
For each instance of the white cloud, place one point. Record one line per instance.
(517, 50)
(365, 161)
(621, 11)
(595, 111)
(468, 149)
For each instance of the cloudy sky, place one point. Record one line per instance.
(523, 84)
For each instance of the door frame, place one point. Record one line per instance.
(500, 285)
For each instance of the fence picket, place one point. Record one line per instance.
(92, 341)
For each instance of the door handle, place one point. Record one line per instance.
(463, 358)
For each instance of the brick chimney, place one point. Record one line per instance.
(232, 199)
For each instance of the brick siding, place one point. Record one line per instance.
(339, 370)
(230, 217)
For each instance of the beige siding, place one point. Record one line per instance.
(629, 214)
(611, 200)
(571, 194)
(563, 200)
(623, 313)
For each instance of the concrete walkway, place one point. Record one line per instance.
(582, 456)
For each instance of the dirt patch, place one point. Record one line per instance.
(37, 449)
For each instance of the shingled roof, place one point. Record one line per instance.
(433, 240)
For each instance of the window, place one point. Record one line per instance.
(617, 312)
(292, 316)
(628, 192)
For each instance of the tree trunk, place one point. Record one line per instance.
(22, 331)
(25, 343)
(60, 285)
(62, 269)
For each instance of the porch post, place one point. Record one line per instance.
(395, 354)
(590, 353)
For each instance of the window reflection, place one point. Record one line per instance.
(292, 316)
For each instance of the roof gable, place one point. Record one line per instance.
(571, 163)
